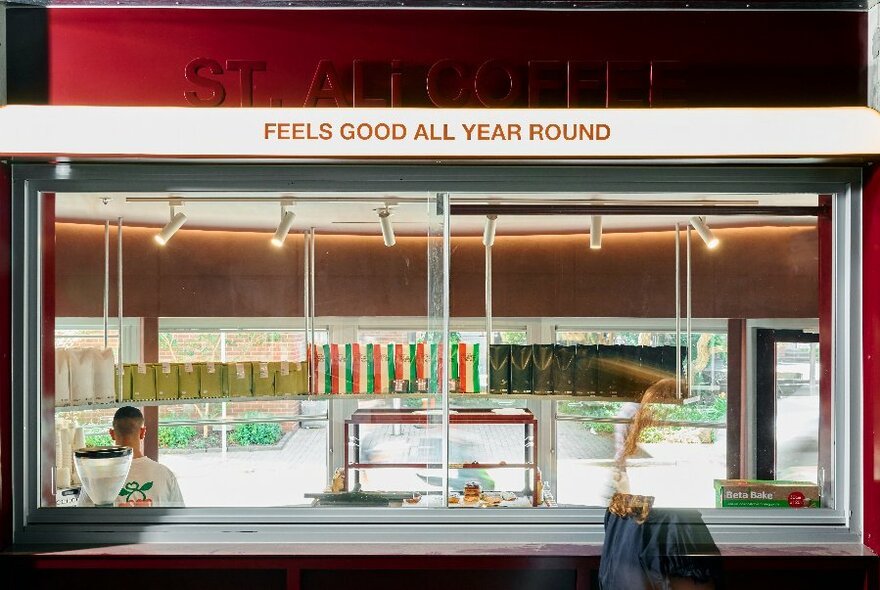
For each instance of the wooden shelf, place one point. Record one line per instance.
(440, 466)
(392, 416)
(341, 396)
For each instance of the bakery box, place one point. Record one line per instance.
(752, 493)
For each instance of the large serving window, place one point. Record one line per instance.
(459, 346)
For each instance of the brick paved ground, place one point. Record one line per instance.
(255, 478)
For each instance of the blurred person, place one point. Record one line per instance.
(639, 415)
(647, 548)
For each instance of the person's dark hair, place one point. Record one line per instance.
(128, 421)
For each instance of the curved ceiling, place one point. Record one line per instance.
(356, 213)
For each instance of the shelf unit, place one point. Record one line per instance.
(340, 396)
(469, 416)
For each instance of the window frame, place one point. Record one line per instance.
(32, 524)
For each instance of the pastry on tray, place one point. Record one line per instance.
(508, 496)
(472, 491)
(454, 498)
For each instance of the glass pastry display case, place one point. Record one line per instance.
(465, 473)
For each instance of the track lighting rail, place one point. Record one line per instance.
(659, 210)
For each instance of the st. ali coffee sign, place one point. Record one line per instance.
(450, 83)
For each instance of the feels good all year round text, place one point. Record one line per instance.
(437, 131)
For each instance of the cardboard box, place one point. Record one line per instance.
(210, 380)
(167, 381)
(750, 493)
(188, 380)
(143, 383)
(264, 378)
(238, 380)
(292, 379)
(127, 371)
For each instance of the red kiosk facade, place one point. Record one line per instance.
(444, 58)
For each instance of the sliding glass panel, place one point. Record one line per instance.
(642, 391)
(233, 385)
(266, 452)
(381, 257)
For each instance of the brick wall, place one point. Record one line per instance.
(245, 345)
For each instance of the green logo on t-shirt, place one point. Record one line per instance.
(132, 488)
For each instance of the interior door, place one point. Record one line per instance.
(787, 405)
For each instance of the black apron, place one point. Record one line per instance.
(669, 544)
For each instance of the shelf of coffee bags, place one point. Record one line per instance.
(350, 368)
(586, 370)
(211, 380)
(332, 376)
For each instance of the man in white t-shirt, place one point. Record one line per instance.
(148, 483)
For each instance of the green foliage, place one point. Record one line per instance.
(514, 338)
(99, 440)
(593, 410)
(608, 410)
(189, 437)
(176, 437)
(712, 409)
(212, 441)
(256, 434)
(588, 408)
(454, 339)
(653, 435)
(720, 341)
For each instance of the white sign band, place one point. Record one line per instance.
(173, 132)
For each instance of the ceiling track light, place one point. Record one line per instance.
(287, 217)
(62, 168)
(489, 230)
(387, 229)
(178, 218)
(595, 232)
(699, 224)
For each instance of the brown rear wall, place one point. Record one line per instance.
(754, 273)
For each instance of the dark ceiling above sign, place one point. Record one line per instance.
(444, 58)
